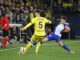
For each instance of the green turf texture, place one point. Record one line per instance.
(47, 51)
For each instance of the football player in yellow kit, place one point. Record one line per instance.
(39, 31)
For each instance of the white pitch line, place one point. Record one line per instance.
(10, 49)
(42, 45)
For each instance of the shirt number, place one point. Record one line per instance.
(40, 24)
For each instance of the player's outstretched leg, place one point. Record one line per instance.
(35, 43)
(64, 46)
(37, 47)
(61, 44)
(27, 47)
(45, 40)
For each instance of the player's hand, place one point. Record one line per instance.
(22, 29)
(67, 23)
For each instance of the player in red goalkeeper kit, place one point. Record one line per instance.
(5, 28)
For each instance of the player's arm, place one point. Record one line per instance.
(67, 24)
(0, 21)
(67, 28)
(25, 27)
(28, 25)
(4, 26)
(6, 23)
(48, 21)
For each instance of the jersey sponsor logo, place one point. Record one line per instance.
(40, 30)
(40, 19)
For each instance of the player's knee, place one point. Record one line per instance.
(45, 39)
(60, 44)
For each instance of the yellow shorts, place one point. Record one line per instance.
(37, 38)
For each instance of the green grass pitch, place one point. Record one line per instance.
(47, 51)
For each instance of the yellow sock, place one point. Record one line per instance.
(37, 47)
(27, 47)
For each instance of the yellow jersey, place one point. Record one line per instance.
(39, 25)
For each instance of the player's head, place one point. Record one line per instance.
(7, 14)
(63, 19)
(37, 13)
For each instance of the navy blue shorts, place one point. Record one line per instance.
(5, 33)
(53, 37)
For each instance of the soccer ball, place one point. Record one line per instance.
(22, 49)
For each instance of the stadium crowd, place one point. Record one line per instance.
(66, 6)
(23, 10)
(20, 10)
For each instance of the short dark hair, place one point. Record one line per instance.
(7, 12)
(64, 17)
(38, 11)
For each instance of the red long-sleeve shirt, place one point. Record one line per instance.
(4, 21)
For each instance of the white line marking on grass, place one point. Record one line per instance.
(42, 45)
(10, 49)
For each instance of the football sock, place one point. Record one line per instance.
(37, 47)
(65, 47)
(28, 46)
(4, 42)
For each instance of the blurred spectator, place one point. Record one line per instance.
(13, 34)
(17, 8)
